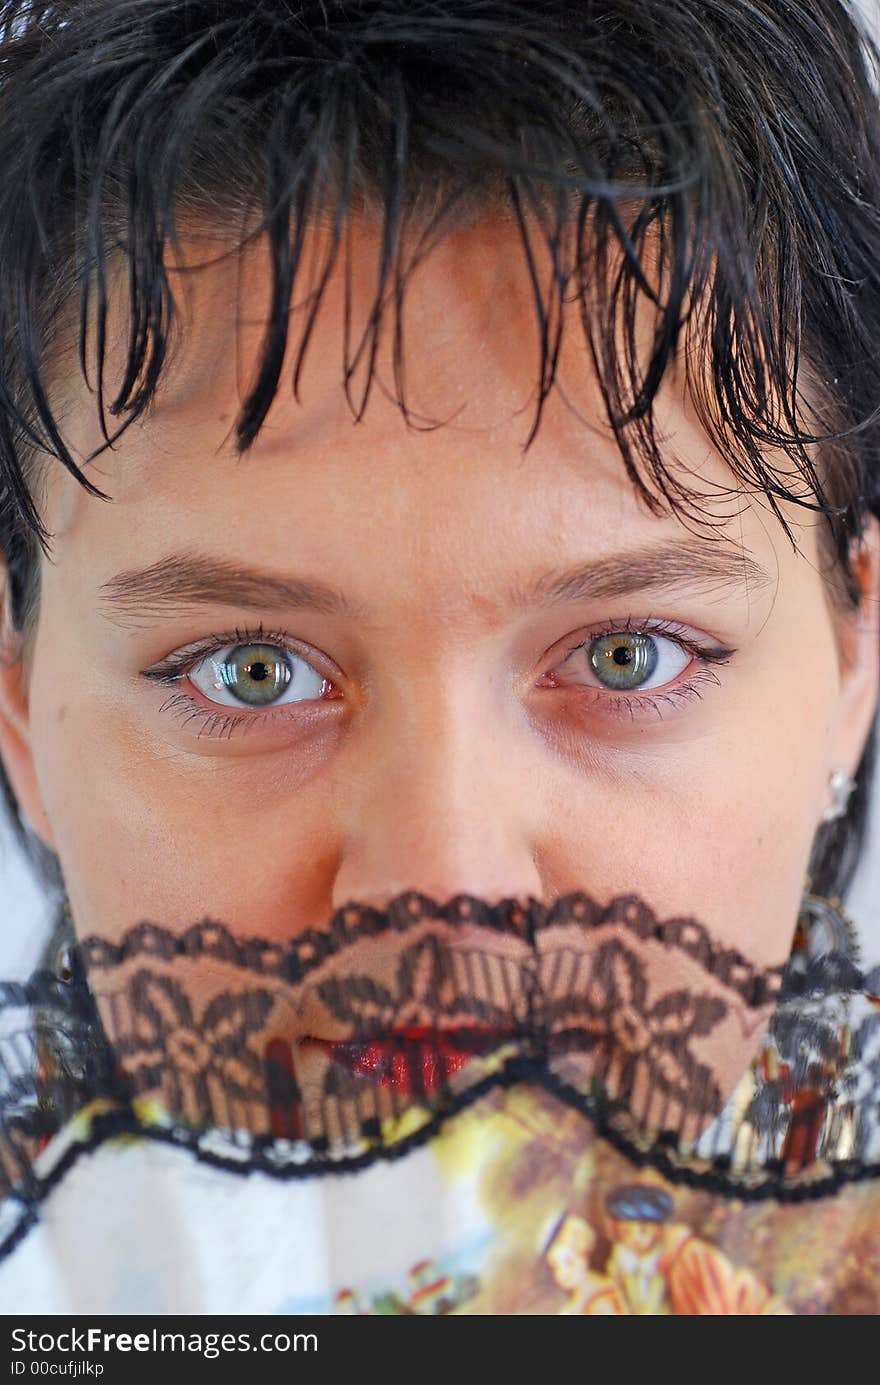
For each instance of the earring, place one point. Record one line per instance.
(64, 941)
(825, 928)
(841, 786)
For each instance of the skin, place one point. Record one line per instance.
(457, 750)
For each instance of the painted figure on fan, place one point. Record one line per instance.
(662, 1266)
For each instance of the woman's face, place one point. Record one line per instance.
(426, 709)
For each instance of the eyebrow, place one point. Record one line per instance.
(186, 581)
(181, 582)
(697, 565)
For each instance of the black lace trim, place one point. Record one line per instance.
(354, 922)
(358, 1042)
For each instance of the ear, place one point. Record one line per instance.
(860, 662)
(15, 746)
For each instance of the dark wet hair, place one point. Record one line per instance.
(710, 165)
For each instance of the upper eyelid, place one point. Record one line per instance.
(180, 661)
(714, 652)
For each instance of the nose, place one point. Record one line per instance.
(445, 806)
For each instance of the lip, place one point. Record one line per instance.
(413, 1061)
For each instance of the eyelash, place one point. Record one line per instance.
(223, 725)
(219, 724)
(627, 704)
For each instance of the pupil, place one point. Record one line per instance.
(258, 672)
(622, 655)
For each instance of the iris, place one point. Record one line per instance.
(255, 673)
(623, 661)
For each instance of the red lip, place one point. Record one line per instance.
(415, 1061)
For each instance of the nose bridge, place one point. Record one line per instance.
(443, 805)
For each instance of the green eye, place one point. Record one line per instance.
(255, 674)
(623, 661)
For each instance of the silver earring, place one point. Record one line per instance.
(64, 946)
(841, 786)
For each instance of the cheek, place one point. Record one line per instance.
(717, 829)
(726, 846)
(718, 825)
(758, 813)
(144, 833)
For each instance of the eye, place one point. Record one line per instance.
(627, 661)
(256, 675)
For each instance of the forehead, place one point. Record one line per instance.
(466, 359)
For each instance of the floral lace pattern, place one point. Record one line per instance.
(357, 1041)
